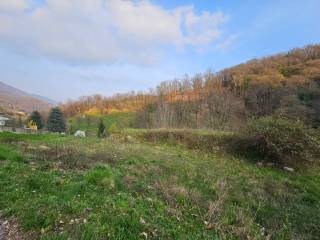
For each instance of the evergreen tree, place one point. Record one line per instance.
(36, 118)
(101, 129)
(56, 121)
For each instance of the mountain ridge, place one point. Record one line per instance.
(14, 99)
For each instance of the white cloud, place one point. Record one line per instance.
(104, 30)
(13, 5)
(228, 42)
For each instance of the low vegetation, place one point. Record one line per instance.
(60, 187)
(281, 141)
(204, 140)
(114, 122)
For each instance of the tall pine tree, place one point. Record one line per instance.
(37, 119)
(56, 121)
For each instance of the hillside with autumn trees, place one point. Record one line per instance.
(159, 119)
(285, 84)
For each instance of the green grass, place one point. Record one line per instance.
(15, 137)
(119, 190)
(201, 132)
(90, 123)
(9, 153)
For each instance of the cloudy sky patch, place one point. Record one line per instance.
(67, 48)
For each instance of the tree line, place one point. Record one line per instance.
(285, 84)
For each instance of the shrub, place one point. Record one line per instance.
(114, 128)
(280, 140)
(101, 129)
(101, 175)
(206, 142)
(288, 71)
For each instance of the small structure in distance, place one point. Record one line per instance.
(3, 122)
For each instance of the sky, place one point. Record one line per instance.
(64, 49)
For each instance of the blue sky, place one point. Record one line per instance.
(65, 49)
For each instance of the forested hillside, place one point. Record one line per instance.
(286, 84)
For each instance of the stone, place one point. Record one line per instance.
(80, 133)
(44, 148)
(142, 221)
(289, 169)
(128, 139)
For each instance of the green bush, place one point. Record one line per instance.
(101, 175)
(114, 128)
(281, 141)
(101, 129)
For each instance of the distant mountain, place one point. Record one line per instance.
(46, 99)
(13, 99)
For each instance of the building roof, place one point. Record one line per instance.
(4, 118)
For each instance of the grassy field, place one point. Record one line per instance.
(89, 123)
(60, 187)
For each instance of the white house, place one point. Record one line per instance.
(3, 122)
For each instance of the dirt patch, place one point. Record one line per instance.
(10, 230)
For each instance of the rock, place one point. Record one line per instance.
(288, 169)
(128, 139)
(44, 148)
(31, 148)
(80, 133)
(142, 221)
(259, 164)
(89, 209)
(144, 234)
